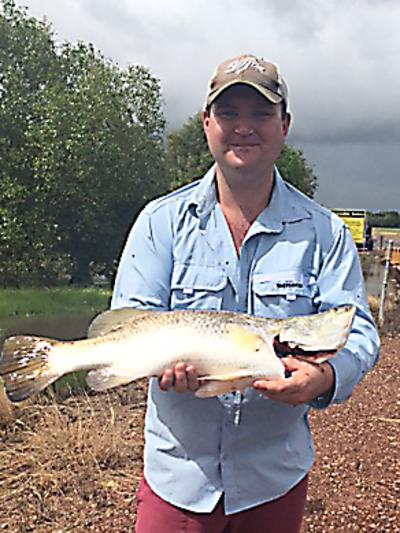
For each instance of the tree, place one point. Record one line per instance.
(99, 156)
(81, 151)
(294, 169)
(27, 62)
(384, 219)
(187, 158)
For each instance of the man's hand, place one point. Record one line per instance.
(307, 381)
(182, 378)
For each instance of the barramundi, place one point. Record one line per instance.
(229, 350)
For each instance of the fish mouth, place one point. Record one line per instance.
(284, 349)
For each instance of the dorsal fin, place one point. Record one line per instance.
(112, 320)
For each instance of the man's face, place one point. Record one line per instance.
(245, 132)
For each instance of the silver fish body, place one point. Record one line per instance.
(229, 350)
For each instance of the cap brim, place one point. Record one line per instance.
(269, 95)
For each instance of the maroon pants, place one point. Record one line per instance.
(283, 515)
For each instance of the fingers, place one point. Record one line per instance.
(181, 378)
(283, 390)
(280, 392)
(192, 378)
(166, 380)
(181, 382)
(307, 381)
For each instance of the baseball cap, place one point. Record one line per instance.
(250, 70)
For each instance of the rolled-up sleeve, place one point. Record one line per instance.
(144, 273)
(341, 282)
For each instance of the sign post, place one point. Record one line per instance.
(356, 221)
(381, 316)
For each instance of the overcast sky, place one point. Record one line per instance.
(340, 59)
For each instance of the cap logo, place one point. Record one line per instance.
(240, 65)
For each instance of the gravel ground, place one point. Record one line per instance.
(355, 483)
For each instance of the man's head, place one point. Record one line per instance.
(245, 120)
(249, 70)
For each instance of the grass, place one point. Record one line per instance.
(387, 234)
(74, 455)
(378, 231)
(27, 302)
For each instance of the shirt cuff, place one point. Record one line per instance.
(346, 374)
(324, 400)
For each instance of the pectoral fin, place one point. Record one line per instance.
(223, 384)
(106, 378)
(244, 337)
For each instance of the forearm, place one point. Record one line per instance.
(341, 282)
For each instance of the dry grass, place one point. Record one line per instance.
(76, 455)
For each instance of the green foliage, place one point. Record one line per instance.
(81, 151)
(27, 58)
(188, 158)
(384, 219)
(294, 169)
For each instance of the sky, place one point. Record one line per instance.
(340, 59)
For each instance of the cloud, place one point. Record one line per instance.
(336, 55)
(356, 175)
(339, 57)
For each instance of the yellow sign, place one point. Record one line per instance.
(355, 220)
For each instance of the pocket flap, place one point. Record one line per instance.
(194, 277)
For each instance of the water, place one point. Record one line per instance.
(373, 278)
(59, 326)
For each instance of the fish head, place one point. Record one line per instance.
(319, 336)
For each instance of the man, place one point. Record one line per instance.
(240, 239)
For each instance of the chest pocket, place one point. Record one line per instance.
(283, 298)
(197, 287)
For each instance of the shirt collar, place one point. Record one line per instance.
(204, 197)
(283, 207)
(280, 209)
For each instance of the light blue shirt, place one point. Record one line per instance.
(297, 258)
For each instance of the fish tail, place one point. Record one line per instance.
(24, 366)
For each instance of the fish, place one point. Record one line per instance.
(229, 350)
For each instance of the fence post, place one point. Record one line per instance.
(381, 316)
